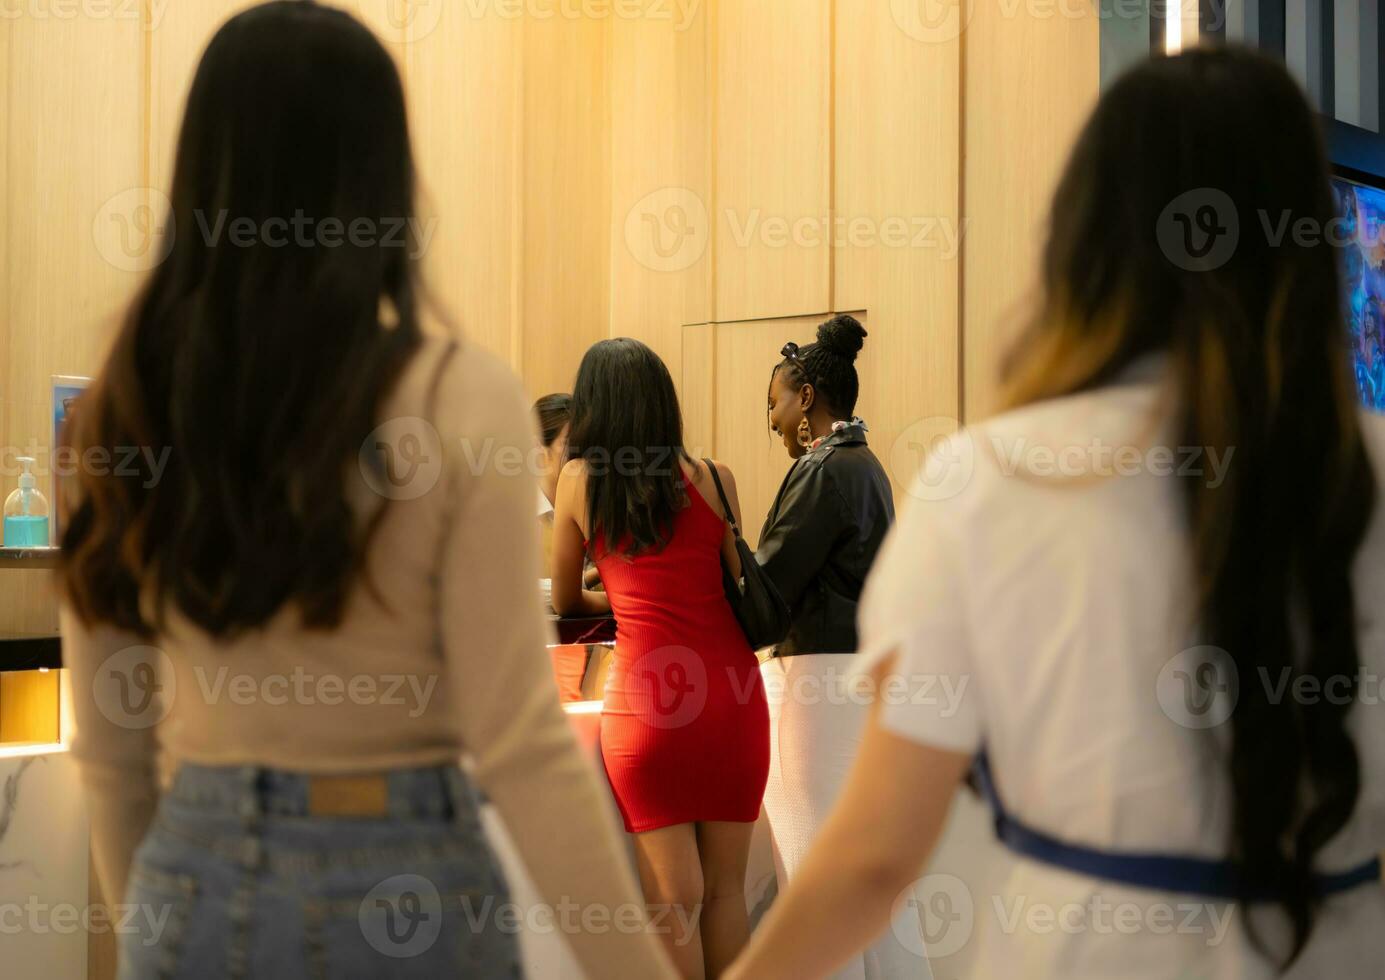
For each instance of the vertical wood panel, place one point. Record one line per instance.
(74, 91)
(699, 391)
(463, 77)
(773, 157)
(5, 150)
(899, 232)
(389, 19)
(661, 197)
(1029, 84)
(567, 203)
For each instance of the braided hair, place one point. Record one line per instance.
(828, 365)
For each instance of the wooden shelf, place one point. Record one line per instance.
(29, 557)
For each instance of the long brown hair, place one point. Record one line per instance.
(257, 366)
(1256, 341)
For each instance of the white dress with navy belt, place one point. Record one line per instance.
(1047, 585)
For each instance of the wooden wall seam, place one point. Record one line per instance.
(961, 257)
(517, 211)
(6, 229)
(147, 99)
(831, 155)
(711, 40)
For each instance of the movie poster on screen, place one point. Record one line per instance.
(1362, 209)
(66, 391)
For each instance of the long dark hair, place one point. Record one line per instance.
(627, 427)
(1256, 339)
(258, 362)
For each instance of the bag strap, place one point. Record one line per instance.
(725, 504)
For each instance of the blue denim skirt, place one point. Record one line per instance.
(238, 878)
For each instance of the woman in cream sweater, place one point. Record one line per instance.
(326, 600)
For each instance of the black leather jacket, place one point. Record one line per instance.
(821, 537)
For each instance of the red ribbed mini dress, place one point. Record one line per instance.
(684, 725)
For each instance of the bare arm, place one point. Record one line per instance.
(876, 841)
(505, 701)
(570, 597)
(728, 541)
(114, 743)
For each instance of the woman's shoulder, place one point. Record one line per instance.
(574, 469)
(463, 390)
(856, 472)
(701, 476)
(701, 472)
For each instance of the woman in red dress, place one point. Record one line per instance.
(684, 726)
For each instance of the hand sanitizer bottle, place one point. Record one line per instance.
(26, 512)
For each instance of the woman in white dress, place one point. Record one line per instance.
(1158, 577)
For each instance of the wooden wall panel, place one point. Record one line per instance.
(389, 19)
(660, 184)
(1030, 83)
(773, 196)
(566, 264)
(699, 390)
(464, 89)
(543, 144)
(5, 145)
(74, 162)
(899, 229)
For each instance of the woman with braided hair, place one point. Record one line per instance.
(818, 543)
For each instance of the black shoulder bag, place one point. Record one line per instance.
(759, 608)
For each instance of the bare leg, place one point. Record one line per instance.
(671, 876)
(725, 849)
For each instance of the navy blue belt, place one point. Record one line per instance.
(1163, 872)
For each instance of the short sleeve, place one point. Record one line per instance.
(914, 606)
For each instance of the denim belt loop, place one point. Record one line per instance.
(248, 804)
(399, 802)
(460, 796)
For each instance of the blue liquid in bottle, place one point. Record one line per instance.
(24, 531)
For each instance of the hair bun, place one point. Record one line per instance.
(842, 335)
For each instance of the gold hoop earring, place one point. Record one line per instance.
(805, 434)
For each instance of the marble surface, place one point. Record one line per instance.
(43, 866)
